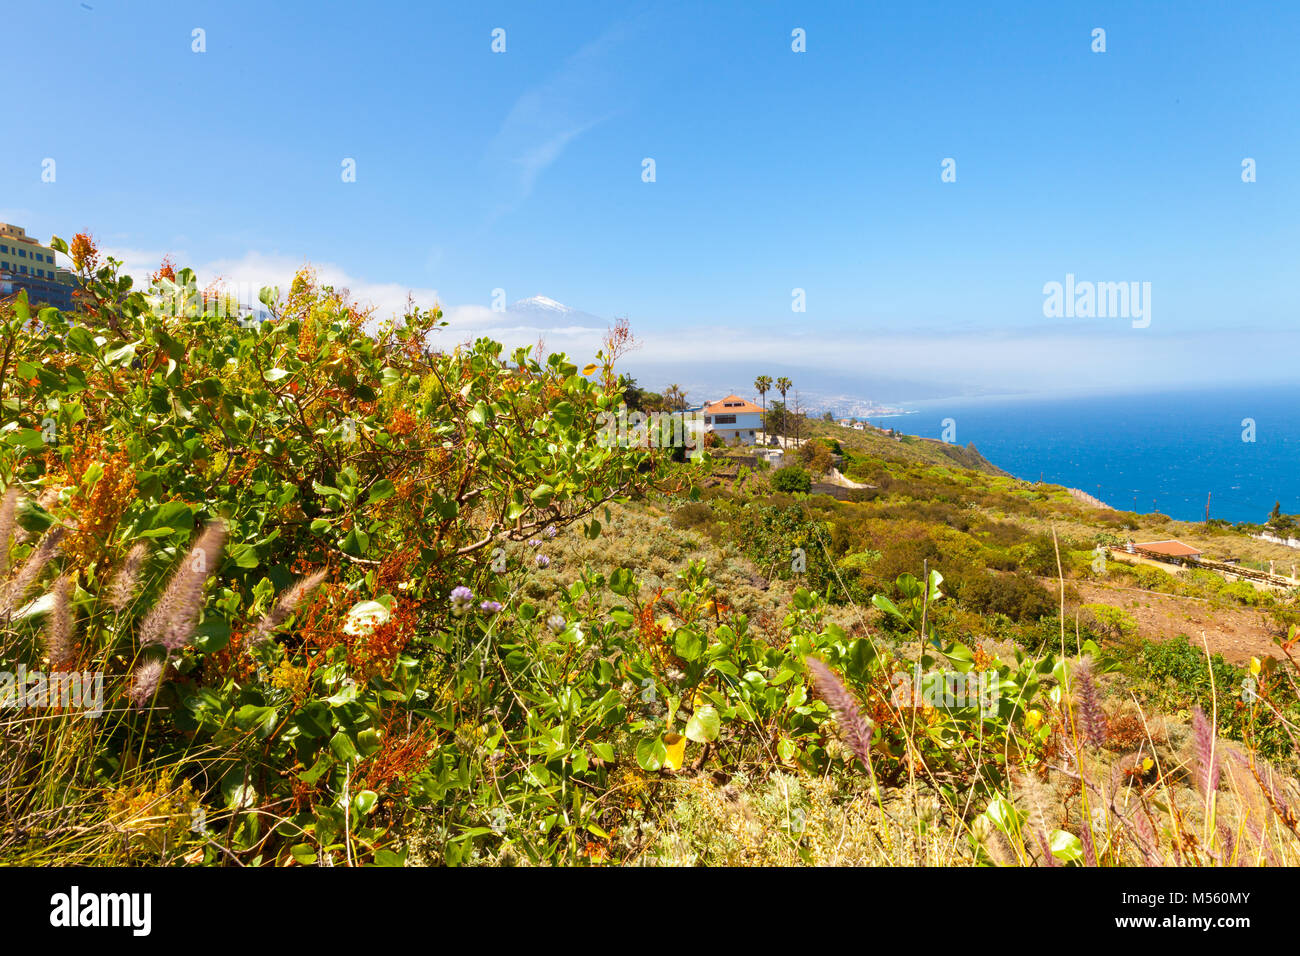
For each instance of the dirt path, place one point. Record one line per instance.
(1235, 632)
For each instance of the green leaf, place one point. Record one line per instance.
(704, 725)
(368, 742)
(275, 374)
(303, 854)
(651, 754)
(356, 542)
(688, 644)
(364, 802)
(80, 340)
(542, 495)
(381, 489)
(343, 747)
(1066, 846)
(887, 606)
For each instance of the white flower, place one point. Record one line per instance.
(365, 617)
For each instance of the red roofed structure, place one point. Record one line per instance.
(1169, 549)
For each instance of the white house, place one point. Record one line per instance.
(733, 419)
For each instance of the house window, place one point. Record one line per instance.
(3, 247)
(22, 253)
(725, 419)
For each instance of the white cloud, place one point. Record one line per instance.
(248, 274)
(544, 120)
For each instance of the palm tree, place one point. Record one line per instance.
(675, 397)
(783, 385)
(761, 385)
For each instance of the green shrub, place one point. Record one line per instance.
(791, 479)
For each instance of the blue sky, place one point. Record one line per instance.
(775, 170)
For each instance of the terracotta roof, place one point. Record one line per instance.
(731, 405)
(1175, 549)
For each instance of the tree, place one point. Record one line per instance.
(783, 385)
(817, 456)
(674, 397)
(762, 385)
(790, 479)
(1278, 521)
(773, 417)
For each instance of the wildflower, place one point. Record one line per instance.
(26, 576)
(854, 728)
(1092, 719)
(461, 597)
(534, 542)
(288, 601)
(490, 607)
(172, 620)
(551, 531)
(58, 630)
(122, 587)
(7, 511)
(556, 623)
(144, 682)
(1205, 753)
(542, 561)
(83, 253)
(364, 617)
(296, 680)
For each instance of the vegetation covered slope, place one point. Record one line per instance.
(355, 600)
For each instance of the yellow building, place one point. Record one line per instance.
(26, 264)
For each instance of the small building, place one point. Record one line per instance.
(733, 419)
(1170, 550)
(26, 264)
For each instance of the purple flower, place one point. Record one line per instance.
(490, 607)
(534, 542)
(551, 531)
(542, 561)
(556, 623)
(460, 597)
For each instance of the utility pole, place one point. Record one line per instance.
(1207, 508)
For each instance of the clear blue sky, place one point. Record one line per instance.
(775, 170)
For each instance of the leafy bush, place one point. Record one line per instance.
(1018, 595)
(791, 479)
(387, 471)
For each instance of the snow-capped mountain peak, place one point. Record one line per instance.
(540, 302)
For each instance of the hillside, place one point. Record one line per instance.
(351, 601)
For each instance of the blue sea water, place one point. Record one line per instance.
(1144, 452)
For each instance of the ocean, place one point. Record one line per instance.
(1147, 452)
